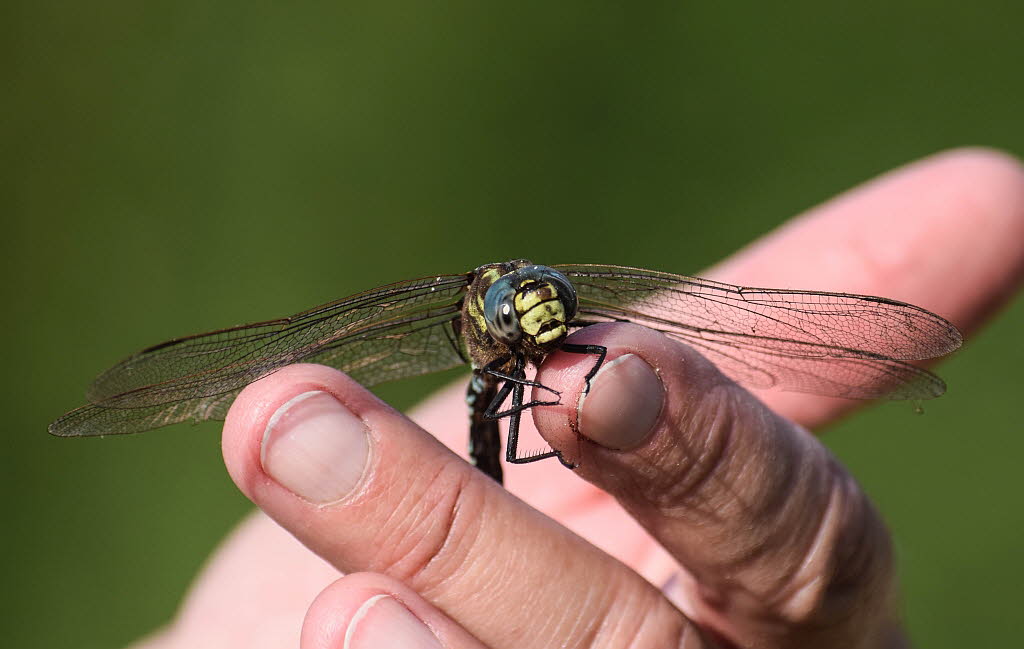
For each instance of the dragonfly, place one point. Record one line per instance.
(503, 318)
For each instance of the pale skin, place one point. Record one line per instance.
(765, 540)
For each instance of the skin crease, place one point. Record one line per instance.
(810, 569)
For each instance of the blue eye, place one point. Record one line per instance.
(500, 312)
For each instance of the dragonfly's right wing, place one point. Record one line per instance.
(392, 332)
(834, 344)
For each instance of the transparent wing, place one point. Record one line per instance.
(833, 344)
(392, 332)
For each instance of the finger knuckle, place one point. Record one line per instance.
(433, 527)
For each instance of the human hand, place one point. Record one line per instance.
(767, 541)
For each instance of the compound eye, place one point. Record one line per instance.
(500, 312)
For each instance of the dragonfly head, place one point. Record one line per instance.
(531, 306)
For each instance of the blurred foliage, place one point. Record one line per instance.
(173, 167)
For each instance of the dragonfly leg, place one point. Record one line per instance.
(493, 413)
(512, 447)
(514, 383)
(518, 376)
(597, 350)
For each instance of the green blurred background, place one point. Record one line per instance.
(174, 167)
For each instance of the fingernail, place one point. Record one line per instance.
(315, 448)
(623, 404)
(383, 623)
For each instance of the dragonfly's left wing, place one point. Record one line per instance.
(834, 344)
(392, 332)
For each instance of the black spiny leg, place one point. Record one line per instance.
(600, 352)
(597, 350)
(518, 377)
(512, 446)
(516, 384)
(484, 437)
